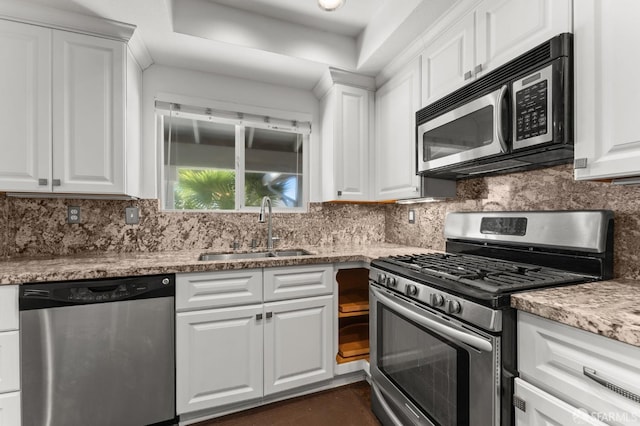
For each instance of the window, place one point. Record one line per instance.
(228, 161)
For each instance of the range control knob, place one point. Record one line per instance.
(454, 307)
(382, 278)
(411, 290)
(391, 282)
(437, 300)
(165, 281)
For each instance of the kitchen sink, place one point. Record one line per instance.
(253, 255)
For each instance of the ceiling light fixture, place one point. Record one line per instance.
(330, 5)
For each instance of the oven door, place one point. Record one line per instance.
(472, 131)
(427, 369)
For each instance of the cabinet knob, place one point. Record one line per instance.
(56, 182)
(43, 182)
(339, 193)
(269, 315)
(478, 69)
(258, 317)
(468, 75)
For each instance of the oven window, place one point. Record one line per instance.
(430, 371)
(471, 131)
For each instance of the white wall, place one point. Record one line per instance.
(166, 81)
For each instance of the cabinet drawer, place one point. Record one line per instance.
(8, 307)
(217, 289)
(557, 359)
(9, 361)
(10, 409)
(297, 281)
(542, 409)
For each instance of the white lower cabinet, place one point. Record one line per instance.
(542, 409)
(586, 372)
(298, 343)
(9, 357)
(235, 354)
(218, 357)
(10, 409)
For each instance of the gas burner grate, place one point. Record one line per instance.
(495, 276)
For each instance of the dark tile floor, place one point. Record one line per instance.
(345, 406)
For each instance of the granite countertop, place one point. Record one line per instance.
(609, 308)
(90, 266)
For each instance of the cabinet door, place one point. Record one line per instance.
(509, 28)
(200, 290)
(542, 409)
(9, 361)
(10, 409)
(447, 64)
(395, 154)
(25, 111)
(351, 143)
(8, 307)
(88, 114)
(298, 343)
(607, 89)
(297, 281)
(218, 357)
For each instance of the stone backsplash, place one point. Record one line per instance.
(546, 189)
(38, 227)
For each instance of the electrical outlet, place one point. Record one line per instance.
(412, 216)
(131, 215)
(73, 214)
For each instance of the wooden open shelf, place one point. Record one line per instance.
(353, 315)
(354, 340)
(353, 303)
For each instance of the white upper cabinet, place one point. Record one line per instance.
(350, 109)
(88, 113)
(495, 32)
(607, 135)
(395, 155)
(509, 28)
(448, 61)
(25, 112)
(66, 113)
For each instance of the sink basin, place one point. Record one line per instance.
(252, 255)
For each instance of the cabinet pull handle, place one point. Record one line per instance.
(339, 193)
(478, 69)
(43, 182)
(269, 315)
(591, 373)
(468, 75)
(258, 317)
(56, 182)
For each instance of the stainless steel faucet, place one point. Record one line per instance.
(267, 200)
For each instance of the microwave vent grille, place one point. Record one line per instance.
(491, 81)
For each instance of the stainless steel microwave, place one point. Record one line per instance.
(518, 117)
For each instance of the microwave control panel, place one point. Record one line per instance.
(532, 107)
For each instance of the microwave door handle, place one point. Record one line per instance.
(501, 97)
(458, 335)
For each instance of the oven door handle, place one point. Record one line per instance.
(458, 335)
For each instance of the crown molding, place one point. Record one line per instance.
(337, 76)
(64, 20)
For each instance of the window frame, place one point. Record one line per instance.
(240, 124)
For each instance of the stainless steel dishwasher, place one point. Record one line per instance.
(98, 352)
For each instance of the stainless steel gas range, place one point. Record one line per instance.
(443, 336)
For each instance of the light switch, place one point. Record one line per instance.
(412, 216)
